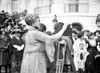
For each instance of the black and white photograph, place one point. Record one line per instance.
(49, 36)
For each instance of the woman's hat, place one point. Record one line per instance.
(42, 27)
(97, 31)
(31, 19)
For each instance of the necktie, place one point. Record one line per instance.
(81, 56)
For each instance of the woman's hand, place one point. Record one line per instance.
(65, 26)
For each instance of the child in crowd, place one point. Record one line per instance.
(80, 53)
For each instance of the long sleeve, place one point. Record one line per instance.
(49, 41)
(44, 37)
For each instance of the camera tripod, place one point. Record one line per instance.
(62, 50)
(60, 56)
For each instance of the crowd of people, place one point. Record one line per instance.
(34, 50)
(86, 52)
(11, 43)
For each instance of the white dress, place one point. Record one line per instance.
(33, 58)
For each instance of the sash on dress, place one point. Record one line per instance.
(50, 50)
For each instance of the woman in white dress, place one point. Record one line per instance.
(33, 57)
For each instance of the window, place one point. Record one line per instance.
(70, 6)
(15, 5)
(73, 5)
(81, 6)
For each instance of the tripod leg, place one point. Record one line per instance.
(71, 59)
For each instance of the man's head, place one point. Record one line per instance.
(42, 27)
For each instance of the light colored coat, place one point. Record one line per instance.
(33, 57)
(79, 47)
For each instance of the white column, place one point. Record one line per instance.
(94, 6)
(57, 7)
(23, 4)
(31, 6)
(3, 5)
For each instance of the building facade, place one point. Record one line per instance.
(67, 11)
